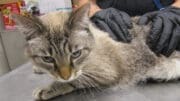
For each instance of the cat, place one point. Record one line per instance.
(78, 55)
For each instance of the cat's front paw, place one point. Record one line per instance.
(41, 94)
(54, 90)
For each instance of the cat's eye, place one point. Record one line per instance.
(48, 59)
(76, 54)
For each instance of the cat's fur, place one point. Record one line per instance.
(103, 62)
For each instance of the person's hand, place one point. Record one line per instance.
(164, 37)
(115, 22)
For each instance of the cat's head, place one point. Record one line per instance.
(61, 51)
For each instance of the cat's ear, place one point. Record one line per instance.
(80, 18)
(29, 25)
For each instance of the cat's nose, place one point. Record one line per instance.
(65, 72)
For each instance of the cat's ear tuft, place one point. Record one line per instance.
(29, 25)
(80, 17)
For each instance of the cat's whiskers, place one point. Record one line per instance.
(91, 80)
(95, 74)
(89, 84)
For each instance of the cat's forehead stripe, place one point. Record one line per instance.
(58, 43)
(53, 46)
(64, 45)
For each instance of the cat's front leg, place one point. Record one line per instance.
(55, 89)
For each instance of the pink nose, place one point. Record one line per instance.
(65, 72)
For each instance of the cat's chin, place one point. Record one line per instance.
(63, 81)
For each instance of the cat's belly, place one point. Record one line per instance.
(168, 69)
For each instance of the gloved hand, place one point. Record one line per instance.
(164, 37)
(115, 22)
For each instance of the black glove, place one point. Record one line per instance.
(115, 22)
(164, 37)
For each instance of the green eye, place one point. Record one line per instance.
(47, 59)
(76, 54)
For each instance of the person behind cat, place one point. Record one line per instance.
(113, 16)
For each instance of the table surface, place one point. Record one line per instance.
(19, 84)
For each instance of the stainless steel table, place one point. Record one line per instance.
(19, 84)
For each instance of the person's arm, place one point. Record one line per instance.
(176, 3)
(79, 3)
(133, 7)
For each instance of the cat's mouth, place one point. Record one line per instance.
(67, 77)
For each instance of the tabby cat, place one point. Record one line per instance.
(78, 55)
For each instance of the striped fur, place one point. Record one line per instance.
(103, 62)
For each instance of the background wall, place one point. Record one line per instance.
(11, 49)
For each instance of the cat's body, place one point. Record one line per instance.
(102, 62)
